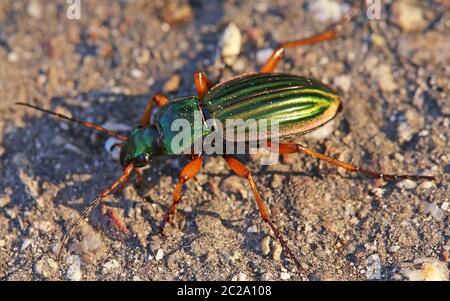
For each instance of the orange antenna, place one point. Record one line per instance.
(82, 122)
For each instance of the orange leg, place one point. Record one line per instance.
(277, 54)
(202, 84)
(160, 100)
(187, 173)
(297, 148)
(242, 171)
(126, 173)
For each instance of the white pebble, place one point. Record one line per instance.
(74, 271)
(427, 185)
(394, 248)
(115, 152)
(285, 276)
(263, 55)
(407, 16)
(230, 43)
(13, 57)
(26, 243)
(407, 184)
(434, 211)
(136, 73)
(34, 9)
(159, 255)
(252, 229)
(110, 265)
(343, 82)
(373, 267)
(327, 10)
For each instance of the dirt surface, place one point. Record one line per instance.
(394, 80)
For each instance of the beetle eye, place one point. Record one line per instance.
(142, 160)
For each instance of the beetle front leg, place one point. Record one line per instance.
(290, 148)
(186, 174)
(160, 100)
(202, 84)
(242, 171)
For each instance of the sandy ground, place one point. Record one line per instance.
(392, 73)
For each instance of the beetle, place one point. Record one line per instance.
(297, 104)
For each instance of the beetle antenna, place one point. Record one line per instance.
(122, 179)
(79, 121)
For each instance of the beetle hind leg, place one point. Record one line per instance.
(242, 171)
(290, 148)
(272, 63)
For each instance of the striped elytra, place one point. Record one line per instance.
(297, 104)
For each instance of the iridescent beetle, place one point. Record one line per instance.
(297, 104)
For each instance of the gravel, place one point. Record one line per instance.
(392, 75)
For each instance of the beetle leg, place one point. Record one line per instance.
(290, 148)
(160, 100)
(126, 173)
(202, 84)
(187, 173)
(242, 171)
(277, 54)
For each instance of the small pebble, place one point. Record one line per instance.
(427, 185)
(277, 250)
(394, 248)
(26, 243)
(343, 82)
(407, 184)
(239, 277)
(374, 267)
(230, 43)
(285, 276)
(434, 211)
(383, 75)
(34, 9)
(136, 73)
(263, 55)
(110, 265)
(172, 84)
(265, 245)
(115, 152)
(159, 254)
(405, 132)
(327, 10)
(74, 271)
(267, 276)
(5, 199)
(2, 243)
(252, 229)
(45, 267)
(13, 57)
(277, 181)
(408, 16)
